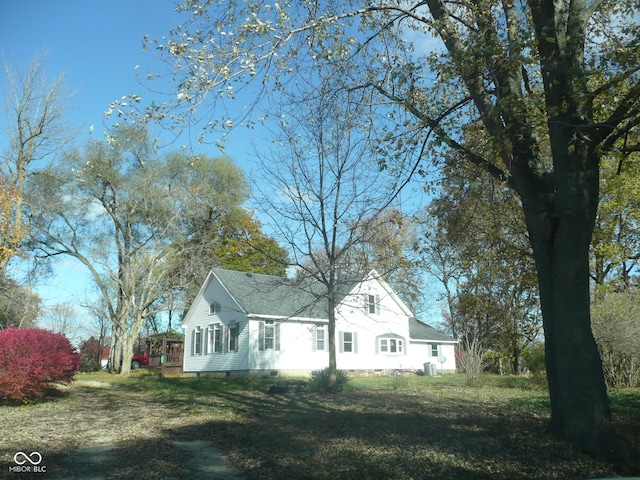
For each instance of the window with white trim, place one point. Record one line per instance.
(372, 304)
(214, 340)
(391, 346)
(196, 341)
(348, 342)
(434, 350)
(320, 338)
(214, 307)
(269, 335)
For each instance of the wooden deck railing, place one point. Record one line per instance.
(168, 357)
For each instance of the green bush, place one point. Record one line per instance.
(320, 381)
(533, 357)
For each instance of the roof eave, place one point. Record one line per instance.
(285, 318)
(424, 340)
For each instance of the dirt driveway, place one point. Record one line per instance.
(99, 431)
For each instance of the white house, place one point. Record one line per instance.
(247, 323)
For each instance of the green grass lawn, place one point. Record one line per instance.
(378, 428)
(389, 427)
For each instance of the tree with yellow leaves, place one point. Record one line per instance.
(11, 231)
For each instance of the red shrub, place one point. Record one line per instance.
(31, 360)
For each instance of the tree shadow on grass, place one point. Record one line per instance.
(374, 435)
(359, 434)
(51, 394)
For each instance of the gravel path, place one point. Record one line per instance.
(103, 432)
(101, 460)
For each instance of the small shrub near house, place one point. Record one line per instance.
(320, 380)
(31, 360)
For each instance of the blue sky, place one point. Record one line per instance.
(97, 45)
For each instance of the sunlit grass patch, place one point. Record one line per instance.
(410, 381)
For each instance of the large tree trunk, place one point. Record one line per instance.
(118, 335)
(127, 354)
(560, 223)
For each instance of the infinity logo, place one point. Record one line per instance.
(27, 458)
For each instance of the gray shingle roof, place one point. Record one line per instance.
(271, 295)
(421, 331)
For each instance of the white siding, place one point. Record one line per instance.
(421, 353)
(228, 313)
(296, 348)
(390, 320)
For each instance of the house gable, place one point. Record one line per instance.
(216, 330)
(207, 296)
(373, 293)
(372, 329)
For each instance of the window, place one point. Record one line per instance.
(348, 342)
(234, 333)
(214, 341)
(196, 346)
(391, 346)
(320, 338)
(434, 350)
(214, 307)
(269, 336)
(372, 304)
